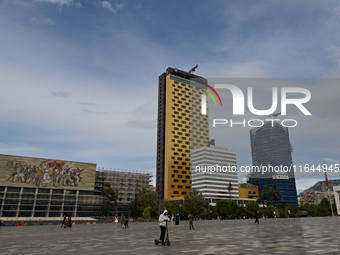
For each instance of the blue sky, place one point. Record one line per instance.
(79, 78)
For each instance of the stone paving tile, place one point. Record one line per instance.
(280, 236)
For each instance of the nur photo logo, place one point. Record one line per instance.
(296, 96)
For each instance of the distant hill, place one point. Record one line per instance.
(322, 187)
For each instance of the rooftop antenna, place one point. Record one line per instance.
(192, 70)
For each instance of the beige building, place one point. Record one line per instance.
(315, 197)
(247, 190)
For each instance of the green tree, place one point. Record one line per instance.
(283, 209)
(212, 212)
(175, 208)
(251, 207)
(147, 197)
(195, 204)
(271, 210)
(232, 209)
(265, 195)
(221, 206)
(166, 204)
(230, 189)
(146, 213)
(242, 212)
(109, 200)
(134, 209)
(324, 208)
(276, 196)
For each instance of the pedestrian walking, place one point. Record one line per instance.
(69, 221)
(126, 224)
(191, 219)
(177, 218)
(274, 215)
(122, 223)
(289, 214)
(64, 222)
(116, 221)
(163, 218)
(256, 215)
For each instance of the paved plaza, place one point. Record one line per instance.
(280, 236)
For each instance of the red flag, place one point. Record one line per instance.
(325, 171)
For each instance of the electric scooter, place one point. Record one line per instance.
(167, 241)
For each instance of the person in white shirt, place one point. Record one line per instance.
(163, 218)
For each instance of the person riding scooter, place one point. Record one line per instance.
(163, 218)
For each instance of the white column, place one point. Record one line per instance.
(3, 202)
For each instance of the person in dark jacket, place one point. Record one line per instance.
(191, 219)
(64, 222)
(69, 221)
(256, 215)
(177, 218)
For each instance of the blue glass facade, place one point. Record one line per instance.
(271, 148)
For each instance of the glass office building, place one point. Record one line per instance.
(272, 154)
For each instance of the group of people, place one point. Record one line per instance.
(164, 218)
(67, 222)
(124, 224)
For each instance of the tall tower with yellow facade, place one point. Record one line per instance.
(181, 128)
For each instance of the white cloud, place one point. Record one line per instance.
(330, 161)
(120, 6)
(245, 70)
(41, 21)
(60, 2)
(108, 6)
(60, 94)
(78, 5)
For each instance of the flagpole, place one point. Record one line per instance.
(329, 192)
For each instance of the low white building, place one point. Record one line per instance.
(336, 190)
(212, 169)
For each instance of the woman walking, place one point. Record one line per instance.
(116, 221)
